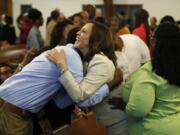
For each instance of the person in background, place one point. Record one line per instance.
(118, 25)
(55, 18)
(142, 28)
(152, 93)
(34, 38)
(59, 33)
(114, 25)
(178, 23)
(8, 31)
(123, 27)
(91, 10)
(98, 12)
(62, 17)
(153, 23)
(167, 19)
(2, 22)
(131, 53)
(85, 16)
(25, 27)
(77, 20)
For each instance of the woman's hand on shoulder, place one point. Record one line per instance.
(58, 57)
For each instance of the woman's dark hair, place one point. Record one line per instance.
(142, 18)
(9, 20)
(101, 41)
(167, 19)
(34, 14)
(91, 11)
(57, 33)
(100, 19)
(166, 56)
(77, 15)
(71, 37)
(55, 14)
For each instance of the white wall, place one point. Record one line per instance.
(157, 8)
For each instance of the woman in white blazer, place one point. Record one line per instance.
(95, 42)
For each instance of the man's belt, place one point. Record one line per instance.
(14, 109)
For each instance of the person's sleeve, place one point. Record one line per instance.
(96, 98)
(63, 101)
(125, 92)
(99, 72)
(34, 42)
(141, 100)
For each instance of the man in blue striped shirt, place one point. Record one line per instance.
(37, 83)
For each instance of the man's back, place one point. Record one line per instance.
(38, 81)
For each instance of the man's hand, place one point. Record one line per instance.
(118, 78)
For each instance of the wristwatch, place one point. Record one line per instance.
(20, 66)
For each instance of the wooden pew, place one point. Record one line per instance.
(10, 57)
(7, 56)
(5, 46)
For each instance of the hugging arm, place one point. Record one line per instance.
(99, 72)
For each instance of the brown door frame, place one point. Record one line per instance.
(108, 5)
(6, 7)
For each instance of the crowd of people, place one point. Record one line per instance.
(129, 78)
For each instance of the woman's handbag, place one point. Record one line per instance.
(84, 124)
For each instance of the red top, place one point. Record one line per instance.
(141, 32)
(25, 28)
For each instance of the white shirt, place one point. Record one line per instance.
(123, 64)
(135, 50)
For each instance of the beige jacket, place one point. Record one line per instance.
(49, 31)
(99, 71)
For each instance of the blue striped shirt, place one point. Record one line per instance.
(38, 82)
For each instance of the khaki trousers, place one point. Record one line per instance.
(12, 124)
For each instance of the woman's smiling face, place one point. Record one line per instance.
(82, 38)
